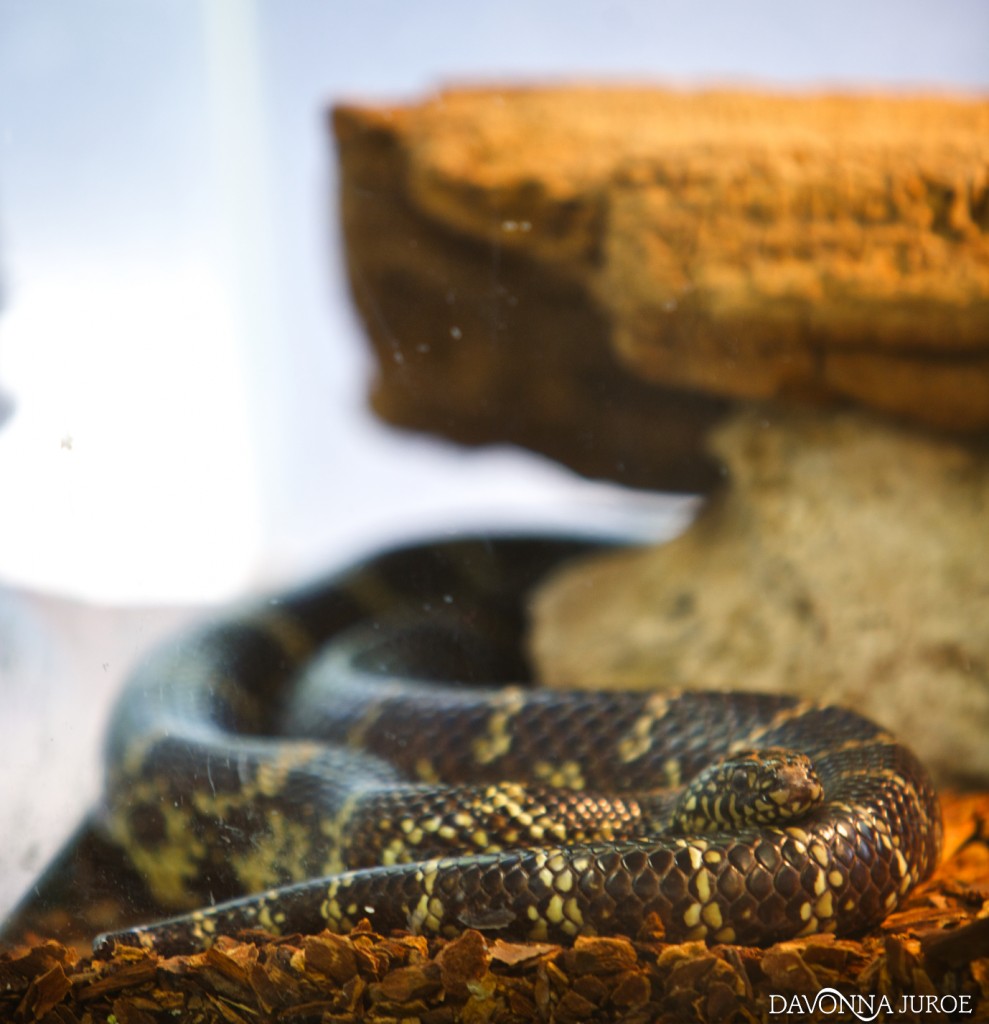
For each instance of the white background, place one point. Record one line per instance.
(181, 374)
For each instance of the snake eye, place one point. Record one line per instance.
(740, 782)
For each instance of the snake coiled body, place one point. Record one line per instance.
(348, 751)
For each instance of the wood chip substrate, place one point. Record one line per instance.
(929, 961)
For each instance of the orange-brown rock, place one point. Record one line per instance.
(572, 268)
(483, 325)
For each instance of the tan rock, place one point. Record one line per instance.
(504, 244)
(848, 562)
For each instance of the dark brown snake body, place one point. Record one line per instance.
(344, 752)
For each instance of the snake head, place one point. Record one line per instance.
(747, 788)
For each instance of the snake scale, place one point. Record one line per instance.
(349, 751)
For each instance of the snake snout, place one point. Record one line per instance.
(797, 787)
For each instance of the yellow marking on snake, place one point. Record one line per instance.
(564, 881)
(702, 883)
(638, 741)
(280, 847)
(425, 771)
(396, 852)
(423, 916)
(901, 865)
(554, 909)
(572, 911)
(264, 917)
(711, 915)
(672, 772)
(206, 924)
(497, 740)
(570, 776)
(334, 831)
(780, 718)
(171, 866)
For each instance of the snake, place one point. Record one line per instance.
(371, 746)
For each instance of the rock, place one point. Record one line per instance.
(815, 248)
(847, 562)
(593, 271)
(483, 341)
